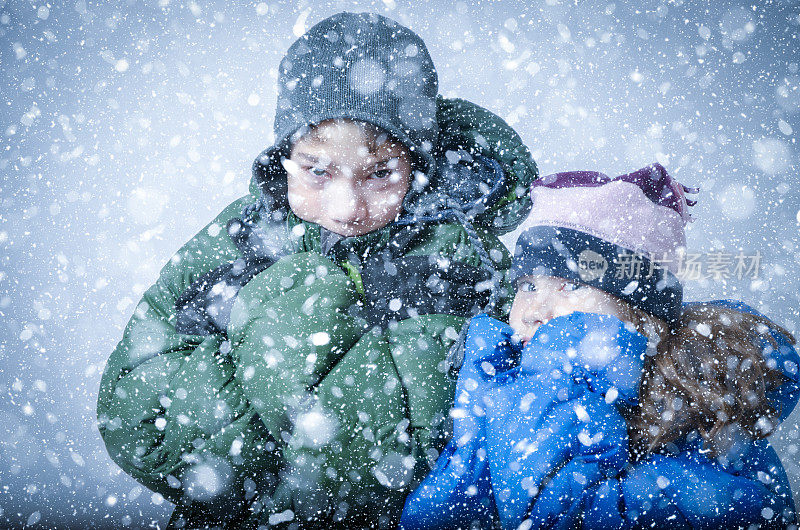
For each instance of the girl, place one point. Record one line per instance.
(607, 403)
(267, 378)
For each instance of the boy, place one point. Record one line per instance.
(289, 368)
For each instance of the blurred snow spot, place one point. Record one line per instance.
(392, 471)
(300, 24)
(598, 349)
(253, 100)
(284, 517)
(320, 339)
(315, 428)
(488, 368)
(19, 51)
(584, 438)
(564, 32)
(213, 229)
(366, 76)
(121, 65)
(145, 205)
(526, 401)
(34, 518)
(784, 127)
(581, 413)
(787, 94)
(703, 329)
(206, 480)
(26, 333)
(632, 286)
(662, 482)
(135, 493)
(298, 230)
(737, 24)
(236, 447)
(737, 201)
(78, 459)
(262, 9)
(772, 155)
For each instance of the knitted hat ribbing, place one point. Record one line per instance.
(361, 66)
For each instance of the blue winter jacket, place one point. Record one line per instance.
(539, 441)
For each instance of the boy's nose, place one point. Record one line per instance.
(346, 203)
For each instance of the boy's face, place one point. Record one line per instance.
(541, 298)
(348, 178)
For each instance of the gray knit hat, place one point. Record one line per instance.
(362, 66)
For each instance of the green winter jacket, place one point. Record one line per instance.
(302, 413)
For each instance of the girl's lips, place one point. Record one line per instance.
(532, 326)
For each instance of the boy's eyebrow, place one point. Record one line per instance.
(315, 159)
(309, 157)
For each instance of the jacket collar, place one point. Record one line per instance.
(310, 237)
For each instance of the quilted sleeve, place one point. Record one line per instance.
(169, 411)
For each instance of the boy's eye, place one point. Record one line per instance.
(526, 286)
(318, 171)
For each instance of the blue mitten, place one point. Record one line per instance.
(457, 492)
(553, 421)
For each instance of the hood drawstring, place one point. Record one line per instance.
(455, 355)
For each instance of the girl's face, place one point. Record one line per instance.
(541, 298)
(348, 178)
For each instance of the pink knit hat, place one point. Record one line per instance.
(622, 234)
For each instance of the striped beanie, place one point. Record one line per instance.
(623, 235)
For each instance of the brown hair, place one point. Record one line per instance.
(707, 374)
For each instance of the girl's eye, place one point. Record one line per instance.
(382, 174)
(526, 286)
(318, 171)
(570, 286)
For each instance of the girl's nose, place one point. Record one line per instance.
(548, 304)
